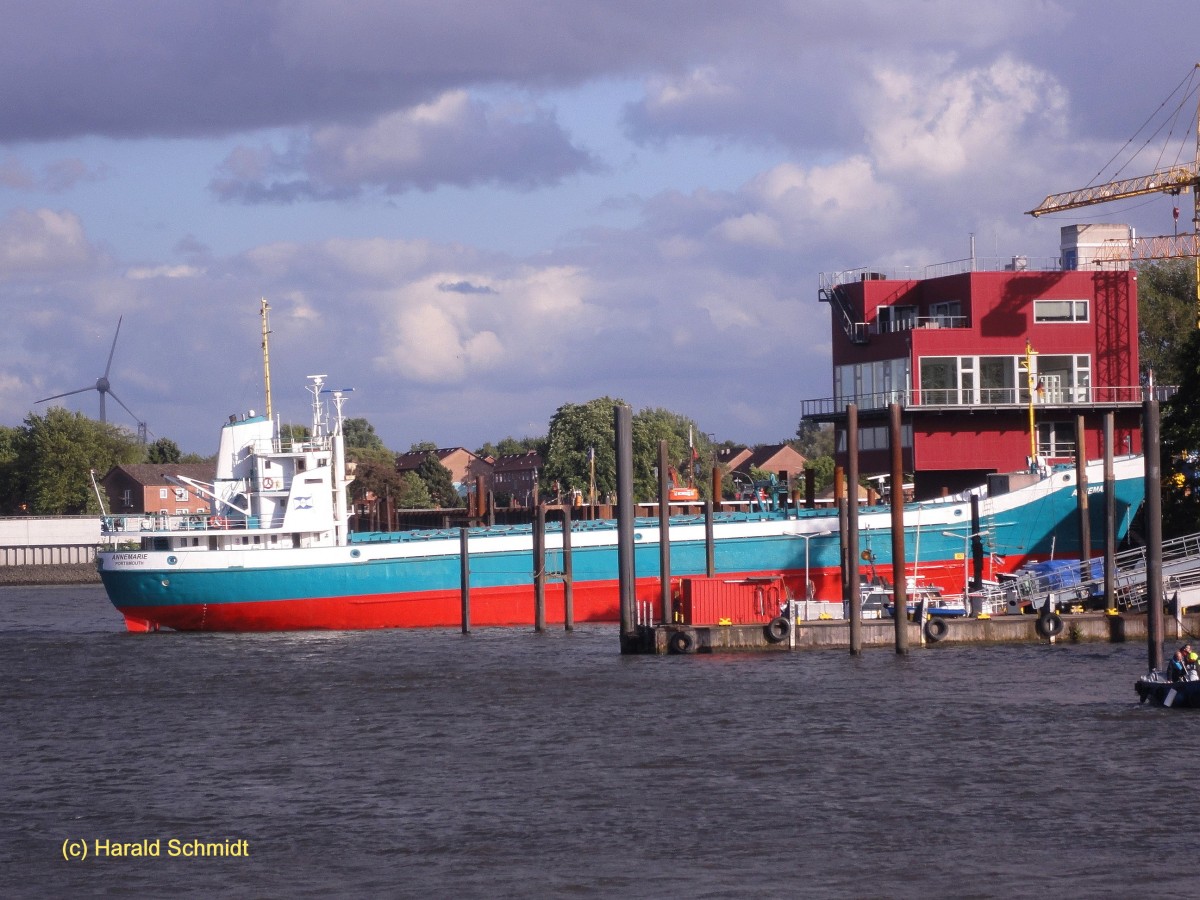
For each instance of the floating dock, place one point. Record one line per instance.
(881, 633)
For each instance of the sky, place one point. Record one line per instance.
(473, 213)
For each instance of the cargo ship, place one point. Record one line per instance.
(277, 552)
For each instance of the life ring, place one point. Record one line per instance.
(936, 629)
(1049, 626)
(218, 522)
(777, 629)
(268, 484)
(681, 642)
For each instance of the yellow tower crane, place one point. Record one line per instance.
(1175, 180)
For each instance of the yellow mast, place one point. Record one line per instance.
(266, 352)
(1031, 383)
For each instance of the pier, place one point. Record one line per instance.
(880, 633)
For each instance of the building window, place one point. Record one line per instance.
(939, 380)
(997, 379)
(895, 318)
(181, 495)
(1060, 310)
(947, 314)
(127, 498)
(1056, 440)
(163, 494)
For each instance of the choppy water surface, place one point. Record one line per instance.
(506, 763)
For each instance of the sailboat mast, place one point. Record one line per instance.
(266, 352)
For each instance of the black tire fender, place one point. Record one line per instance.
(777, 629)
(1050, 626)
(681, 642)
(936, 629)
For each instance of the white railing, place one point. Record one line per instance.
(992, 398)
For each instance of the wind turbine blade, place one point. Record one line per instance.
(90, 387)
(114, 350)
(123, 406)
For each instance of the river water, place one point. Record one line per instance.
(512, 764)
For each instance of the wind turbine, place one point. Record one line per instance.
(104, 386)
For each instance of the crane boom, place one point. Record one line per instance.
(1174, 180)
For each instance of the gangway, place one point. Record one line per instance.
(1080, 583)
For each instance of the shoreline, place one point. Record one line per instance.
(65, 573)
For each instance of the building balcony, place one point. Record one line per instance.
(941, 400)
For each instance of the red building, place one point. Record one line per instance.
(973, 356)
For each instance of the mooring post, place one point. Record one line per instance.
(1110, 519)
(853, 582)
(664, 535)
(464, 577)
(568, 573)
(539, 568)
(1081, 489)
(1154, 597)
(899, 575)
(810, 487)
(710, 546)
(626, 571)
(716, 480)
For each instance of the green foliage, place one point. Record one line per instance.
(359, 434)
(1180, 434)
(510, 446)
(164, 450)
(55, 454)
(439, 482)
(650, 427)
(1166, 316)
(412, 492)
(576, 429)
(813, 440)
(423, 447)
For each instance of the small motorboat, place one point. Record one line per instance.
(1158, 689)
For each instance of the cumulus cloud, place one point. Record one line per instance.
(452, 140)
(937, 122)
(42, 240)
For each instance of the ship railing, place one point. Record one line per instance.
(151, 523)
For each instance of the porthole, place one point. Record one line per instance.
(166, 582)
(355, 554)
(171, 560)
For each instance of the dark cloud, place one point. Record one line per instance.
(453, 140)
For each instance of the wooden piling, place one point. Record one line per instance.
(539, 568)
(464, 578)
(1081, 492)
(710, 544)
(853, 582)
(664, 534)
(1154, 598)
(623, 438)
(899, 579)
(1110, 518)
(568, 573)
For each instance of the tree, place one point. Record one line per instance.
(164, 450)
(650, 427)
(412, 492)
(359, 434)
(510, 446)
(576, 431)
(56, 455)
(1180, 435)
(439, 482)
(423, 447)
(1166, 316)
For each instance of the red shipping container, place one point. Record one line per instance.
(724, 601)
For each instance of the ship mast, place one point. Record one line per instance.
(266, 352)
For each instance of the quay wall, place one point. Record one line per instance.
(835, 634)
(49, 549)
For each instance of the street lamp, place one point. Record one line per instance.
(966, 539)
(808, 591)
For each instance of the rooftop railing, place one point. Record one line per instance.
(988, 398)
